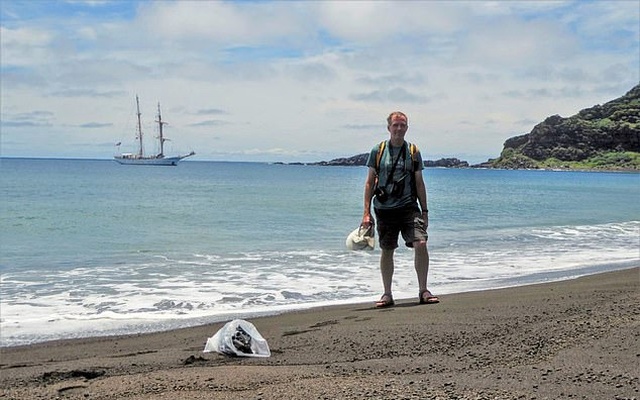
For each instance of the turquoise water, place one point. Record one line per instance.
(93, 247)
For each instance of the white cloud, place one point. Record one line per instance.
(308, 80)
(24, 46)
(220, 23)
(513, 43)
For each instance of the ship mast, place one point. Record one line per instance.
(160, 133)
(139, 128)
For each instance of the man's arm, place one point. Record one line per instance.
(369, 186)
(421, 192)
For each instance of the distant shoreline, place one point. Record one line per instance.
(328, 164)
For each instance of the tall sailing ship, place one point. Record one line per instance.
(140, 158)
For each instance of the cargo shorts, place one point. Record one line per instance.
(407, 221)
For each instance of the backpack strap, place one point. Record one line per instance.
(381, 147)
(413, 149)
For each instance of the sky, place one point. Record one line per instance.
(303, 81)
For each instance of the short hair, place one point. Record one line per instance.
(396, 113)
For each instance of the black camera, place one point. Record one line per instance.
(398, 187)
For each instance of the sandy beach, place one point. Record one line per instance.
(576, 339)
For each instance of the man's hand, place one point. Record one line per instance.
(367, 220)
(425, 218)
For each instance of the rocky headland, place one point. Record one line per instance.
(601, 137)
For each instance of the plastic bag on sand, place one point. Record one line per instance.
(238, 338)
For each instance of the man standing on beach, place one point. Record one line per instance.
(396, 185)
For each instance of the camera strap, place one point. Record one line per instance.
(402, 154)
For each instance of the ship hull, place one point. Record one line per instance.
(166, 161)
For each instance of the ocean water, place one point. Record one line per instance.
(90, 247)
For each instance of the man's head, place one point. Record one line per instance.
(397, 125)
(398, 116)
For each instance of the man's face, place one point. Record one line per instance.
(398, 127)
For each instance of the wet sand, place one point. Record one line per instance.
(575, 339)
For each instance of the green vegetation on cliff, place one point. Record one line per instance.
(603, 137)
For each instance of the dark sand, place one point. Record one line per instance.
(576, 339)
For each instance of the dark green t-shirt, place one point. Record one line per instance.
(403, 174)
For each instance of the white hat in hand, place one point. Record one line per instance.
(362, 238)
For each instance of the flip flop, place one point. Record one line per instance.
(385, 301)
(429, 298)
